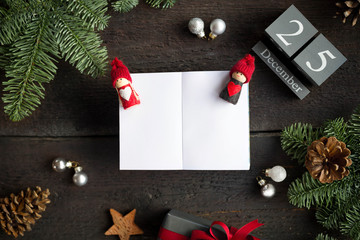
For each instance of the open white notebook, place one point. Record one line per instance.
(182, 123)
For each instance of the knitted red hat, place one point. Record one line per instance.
(246, 66)
(119, 70)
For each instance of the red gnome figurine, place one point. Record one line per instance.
(122, 82)
(240, 73)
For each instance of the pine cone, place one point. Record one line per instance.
(18, 213)
(326, 159)
(349, 8)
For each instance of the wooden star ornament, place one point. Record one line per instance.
(124, 227)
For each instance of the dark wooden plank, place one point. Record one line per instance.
(151, 40)
(82, 213)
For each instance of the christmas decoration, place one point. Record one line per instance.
(33, 34)
(349, 9)
(267, 189)
(80, 178)
(276, 173)
(182, 226)
(19, 212)
(324, 237)
(327, 158)
(240, 74)
(127, 5)
(217, 27)
(122, 82)
(338, 206)
(123, 226)
(196, 26)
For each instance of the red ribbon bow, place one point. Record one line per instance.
(231, 234)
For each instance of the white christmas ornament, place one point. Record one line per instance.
(277, 173)
(196, 26)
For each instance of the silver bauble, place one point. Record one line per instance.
(80, 178)
(268, 190)
(217, 27)
(59, 164)
(196, 26)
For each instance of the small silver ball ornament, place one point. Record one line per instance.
(217, 27)
(268, 190)
(80, 178)
(59, 164)
(196, 26)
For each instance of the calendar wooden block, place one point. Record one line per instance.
(280, 70)
(319, 60)
(291, 31)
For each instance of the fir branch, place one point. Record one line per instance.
(161, 3)
(322, 236)
(4, 52)
(124, 5)
(31, 66)
(92, 12)
(331, 217)
(307, 191)
(13, 21)
(336, 128)
(296, 139)
(351, 226)
(82, 48)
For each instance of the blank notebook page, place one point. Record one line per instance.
(215, 132)
(151, 133)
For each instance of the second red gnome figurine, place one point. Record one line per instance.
(122, 82)
(240, 74)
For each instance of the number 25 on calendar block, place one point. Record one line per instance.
(291, 31)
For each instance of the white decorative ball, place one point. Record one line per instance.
(196, 26)
(277, 173)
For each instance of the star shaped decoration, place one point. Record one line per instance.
(124, 227)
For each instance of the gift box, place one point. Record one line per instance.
(178, 225)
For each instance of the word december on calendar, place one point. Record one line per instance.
(302, 48)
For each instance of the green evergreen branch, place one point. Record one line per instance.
(4, 51)
(92, 12)
(124, 6)
(322, 236)
(13, 21)
(307, 191)
(161, 3)
(351, 226)
(337, 128)
(82, 48)
(331, 217)
(31, 65)
(296, 139)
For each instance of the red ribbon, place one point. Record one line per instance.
(231, 234)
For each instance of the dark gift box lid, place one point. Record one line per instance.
(184, 223)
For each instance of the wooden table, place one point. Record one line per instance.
(78, 120)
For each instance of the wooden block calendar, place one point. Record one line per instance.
(295, 38)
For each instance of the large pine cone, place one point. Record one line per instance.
(327, 158)
(18, 213)
(350, 9)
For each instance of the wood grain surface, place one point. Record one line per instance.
(78, 120)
